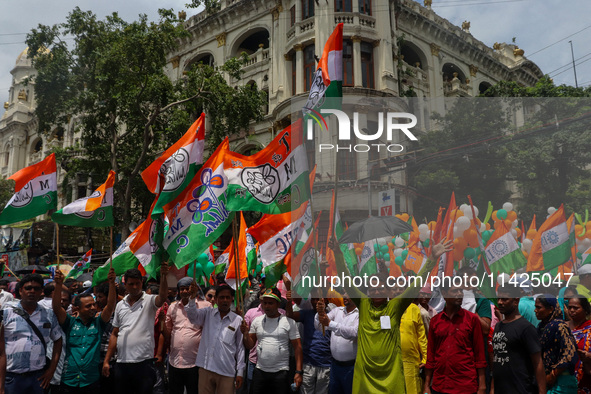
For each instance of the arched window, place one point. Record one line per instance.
(449, 72)
(309, 65)
(367, 77)
(413, 56)
(483, 87)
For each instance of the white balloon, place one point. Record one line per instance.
(424, 236)
(482, 227)
(527, 243)
(464, 207)
(458, 233)
(468, 214)
(397, 252)
(514, 224)
(399, 242)
(514, 233)
(463, 223)
(382, 241)
(423, 228)
(508, 206)
(551, 210)
(475, 211)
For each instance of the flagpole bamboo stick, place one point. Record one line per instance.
(195, 271)
(235, 236)
(9, 270)
(57, 236)
(111, 252)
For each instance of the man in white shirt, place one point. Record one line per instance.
(5, 296)
(221, 355)
(343, 322)
(274, 332)
(133, 335)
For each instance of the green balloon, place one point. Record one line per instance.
(404, 254)
(259, 269)
(393, 239)
(486, 235)
(387, 257)
(426, 243)
(404, 236)
(195, 270)
(384, 249)
(399, 261)
(502, 214)
(376, 247)
(469, 253)
(208, 269)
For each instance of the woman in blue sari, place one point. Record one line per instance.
(559, 350)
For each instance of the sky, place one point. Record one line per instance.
(535, 24)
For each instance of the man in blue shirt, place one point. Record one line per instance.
(83, 337)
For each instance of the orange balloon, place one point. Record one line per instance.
(494, 216)
(579, 230)
(498, 224)
(405, 217)
(358, 251)
(508, 223)
(458, 255)
(488, 226)
(518, 232)
(432, 225)
(471, 236)
(588, 225)
(458, 213)
(531, 233)
(460, 244)
(511, 215)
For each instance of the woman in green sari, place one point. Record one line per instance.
(378, 367)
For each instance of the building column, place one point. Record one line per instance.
(299, 68)
(288, 90)
(357, 61)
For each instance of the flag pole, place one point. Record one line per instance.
(235, 236)
(111, 253)
(57, 236)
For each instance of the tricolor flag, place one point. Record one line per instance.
(123, 259)
(221, 264)
(328, 78)
(95, 210)
(502, 251)
(173, 171)
(551, 246)
(586, 257)
(304, 266)
(80, 266)
(367, 260)
(336, 229)
(274, 180)
(199, 215)
(147, 246)
(35, 192)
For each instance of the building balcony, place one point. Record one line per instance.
(355, 19)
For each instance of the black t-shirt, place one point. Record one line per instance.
(513, 345)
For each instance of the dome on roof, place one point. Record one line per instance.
(23, 59)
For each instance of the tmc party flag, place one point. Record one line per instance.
(551, 246)
(200, 214)
(274, 180)
(80, 266)
(123, 259)
(171, 173)
(221, 264)
(336, 229)
(35, 192)
(328, 78)
(95, 210)
(502, 252)
(304, 266)
(147, 245)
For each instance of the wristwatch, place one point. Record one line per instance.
(300, 372)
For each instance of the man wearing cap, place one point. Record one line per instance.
(584, 288)
(272, 333)
(184, 338)
(220, 357)
(343, 324)
(248, 319)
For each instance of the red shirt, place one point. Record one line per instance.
(455, 349)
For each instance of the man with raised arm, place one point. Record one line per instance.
(83, 337)
(133, 335)
(378, 367)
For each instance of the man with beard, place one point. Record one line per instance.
(343, 323)
(273, 332)
(455, 348)
(517, 365)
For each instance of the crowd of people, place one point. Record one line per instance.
(141, 336)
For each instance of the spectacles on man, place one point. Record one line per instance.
(29, 288)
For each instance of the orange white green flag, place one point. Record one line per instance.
(95, 210)
(239, 261)
(169, 174)
(35, 192)
(551, 246)
(502, 252)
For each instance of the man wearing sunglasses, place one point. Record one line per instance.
(26, 330)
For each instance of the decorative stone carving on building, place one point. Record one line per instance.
(182, 15)
(276, 11)
(6, 105)
(287, 57)
(428, 3)
(435, 49)
(473, 70)
(518, 51)
(355, 38)
(22, 95)
(466, 26)
(221, 39)
(298, 47)
(175, 61)
(497, 46)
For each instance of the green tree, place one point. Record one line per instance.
(550, 156)
(6, 192)
(459, 156)
(111, 80)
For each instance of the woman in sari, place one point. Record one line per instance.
(558, 346)
(579, 311)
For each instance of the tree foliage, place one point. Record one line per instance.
(112, 85)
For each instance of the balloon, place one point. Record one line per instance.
(526, 245)
(259, 269)
(423, 236)
(514, 233)
(494, 216)
(376, 247)
(399, 261)
(464, 207)
(469, 253)
(458, 255)
(463, 223)
(508, 206)
(397, 252)
(488, 226)
(502, 214)
(209, 267)
(358, 251)
(399, 242)
(404, 254)
(531, 233)
(460, 244)
(551, 210)
(471, 236)
(426, 243)
(404, 236)
(384, 249)
(578, 230)
(423, 228)
(518, 230)
(405, 217)
(486, 235)
(432, 225)
(387, 257)
(195, 270)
